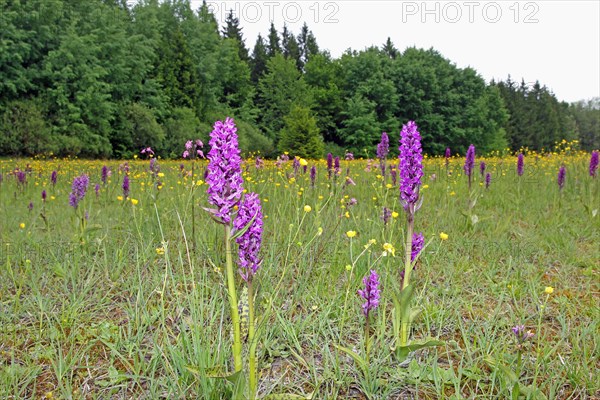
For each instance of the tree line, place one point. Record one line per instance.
(100, 78)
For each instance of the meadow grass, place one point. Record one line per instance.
(129, 305)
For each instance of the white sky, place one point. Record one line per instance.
(556, 42)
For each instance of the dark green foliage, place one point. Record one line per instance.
(259, 60)
(233, 31)
(282, 86)
(274, 45)
(300, 135)
(182, 125)
(587, 120)
(102, 78)
(23, 130)
(537, 119)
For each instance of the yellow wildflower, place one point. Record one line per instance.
(443, 236)
(307, 208)
(389, 249)
(351, 234)
(549, 290)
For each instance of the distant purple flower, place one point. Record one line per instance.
(44, 195)
(148, 151)
(371, 293)
(352, 202)
(349, 182)
(336, 165)
(488, 180)
(520, 164)
(470, 161)
(249, 242)
(21, 177)
(521, 334)
(259, 163)
(418, 240)
(124, 167)
(192, 149)
(154, 167)
(224, 177)
(97, 189)
(53, 177)
(562, 172)
(394, 175)
(78, 190)
(125, 186)
(383, 149)
(349, 156)
(30, 206)
(593, 164)
(448, 153)
(329, 164)
(411, 166)
(313, 175)
(386, 215)
(482, 168)
(104, 174)
(296, 164)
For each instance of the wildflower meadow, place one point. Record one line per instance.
(223, 275)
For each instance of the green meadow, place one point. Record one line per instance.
(126, 297)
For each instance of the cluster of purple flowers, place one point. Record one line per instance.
(349, 156)
(394, 175)
(417, 245)
(148, 151)
(520, 164)
(469, 162)
(249, 242)
(482, 167)
(53, 177)
(104, 174)
(371, 293)
(313, 175)
(224, 177)
(329, 164)
(488, 180)
(593, 164)
(562, 172)
(383, 149)
(78, 190)
(21, 177)
(125, 186)
(521, 334)
(411, 166)
(192, 149)
(386, 214)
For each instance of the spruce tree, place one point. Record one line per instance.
(258, 63)
(300, 135)
(233, 30)
(389, 49)
(274, 46)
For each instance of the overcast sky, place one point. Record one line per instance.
(556, 42)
